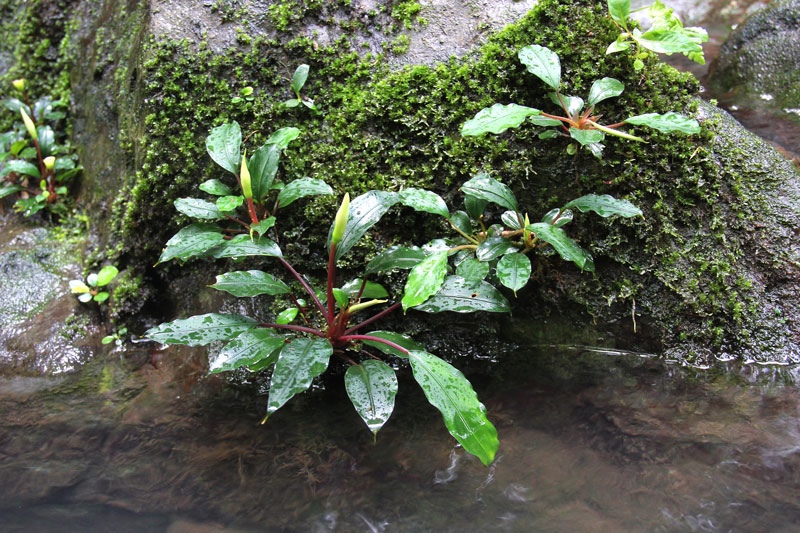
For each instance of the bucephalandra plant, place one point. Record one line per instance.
(92, 289)
(298, 81)
(333, 323)
(579, 121)
(666, 35)
(34, 167)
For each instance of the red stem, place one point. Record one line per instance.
(331, 281)
(307, 288)
(374, 339)
(291, 327)
(252, 209)
(373, 318)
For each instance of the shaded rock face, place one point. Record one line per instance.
(761, 59)
(708, 271)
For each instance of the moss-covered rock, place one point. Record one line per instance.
(708, 271)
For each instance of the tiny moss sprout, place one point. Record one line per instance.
(579, 121)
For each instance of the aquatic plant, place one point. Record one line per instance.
(37, 174)
(666, 35)
(297, 353)
(578, 122)
(91, 289)
(298, 81)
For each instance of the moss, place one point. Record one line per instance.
(388, 130)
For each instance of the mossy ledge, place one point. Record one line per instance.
(706, 273)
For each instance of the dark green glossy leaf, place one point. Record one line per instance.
(491, 190)
(558, 217)
(241, 246)
(191, 241)
(451, 393)
(493, 247)
(619, 11)
(299, 78)
(397, 338)
(666, 123)
(511, 220)
(47, 140)
(574, 103)
(472, 270)
(7, 190)
(425, 201)
(395, 257)
(223, 145)
(460, 220)
(497, 119)
(371, 290)
(514, 271)
(605, 206)
(475, 206)
(542, 63)
(21, 167)
(462, 296)
(341, 297)
(425, 279)
(365, 211)
(200, 330)
(299, 362)
(249, 348)
(564, 245)
(197, 208)
(249, 283)
(605, 88)
(372, 386)
(301, 188)
(263, 167)
(263, 226)
(586, 136)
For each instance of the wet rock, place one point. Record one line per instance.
(761, 58)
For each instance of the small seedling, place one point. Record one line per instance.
(298, 81)
(245, 93)
(118, 337)
(92, 288)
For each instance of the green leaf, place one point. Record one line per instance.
(299, 78)
(249, 283)
(249, 348)
(472, 270)
(574, 104)
(229, 203)
(223, 145)
(371, 290)
(308, 103)
(493, 247)
(491, 190)
(193, 240)
(287, 315)
(497, 119)
(544, 121)
(425, 201)
(263, 167)
(196, 208)
(514, 271)
(619, 11)
(586, 136)
(605, 206)
(76, 286)
(292, 102)
(565, 246)
(263, 226)
(395, 257)
(241, 246)
(425, 279)
(666, 41)
(283, 137)
(341, 298)
(365, 211)
(461, 220)
(91, 279)
(397, 338)
(462, 296)
(21, 167)
(7, 190)
(542, 63)
(298, 364)
(301, 188)
(564, 217)
(666, 123)
(372, 386)
(106, 274)
(101, 297)
(596, 149)
(200, 330)
(605, 88)
(617, 46)
(451, 393)
(475, 206)
(47, 140)
(511, 220)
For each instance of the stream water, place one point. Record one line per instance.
(592, 439)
